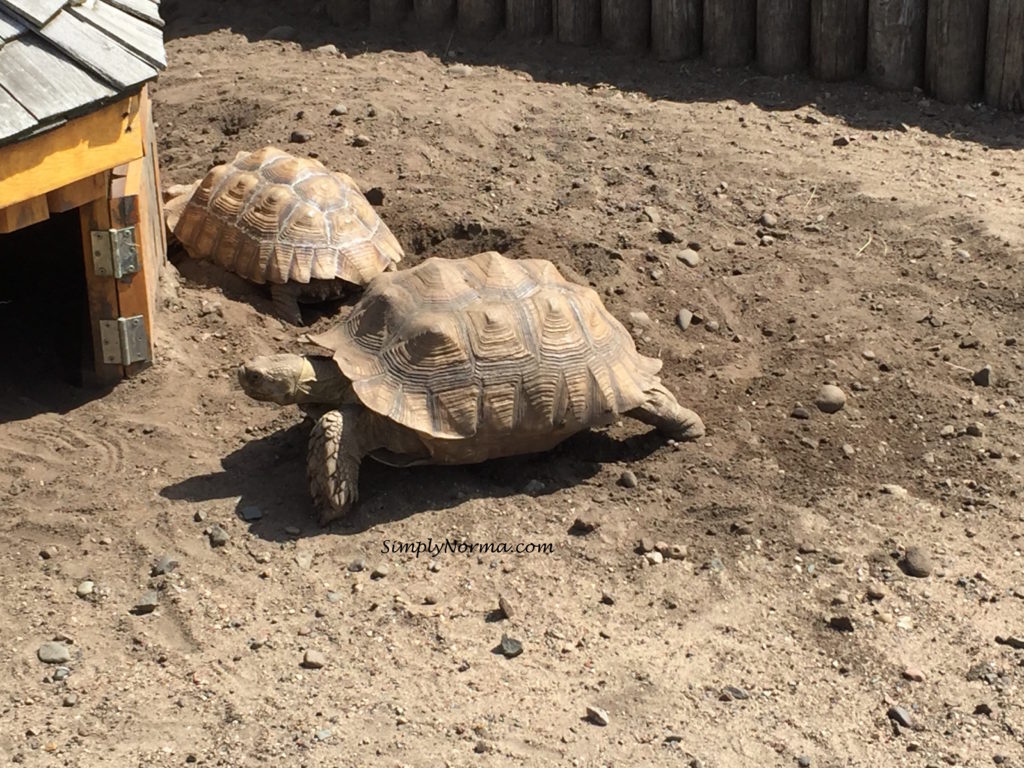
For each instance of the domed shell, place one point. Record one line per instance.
(275, 218)
(487, 347)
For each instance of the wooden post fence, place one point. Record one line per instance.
(480, 18)
(730, 32)
(783, 36)
(676, 28)
(896, 35)
(838, 38)
(432, 15)
(528, 18)
(577, 21)
(626, 24)
(955, 49)
(389, 13)
(1004, 71)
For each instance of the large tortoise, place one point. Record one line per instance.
(459, 361)
(286, 221)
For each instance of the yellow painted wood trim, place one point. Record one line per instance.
(82, 147)
(24, 214)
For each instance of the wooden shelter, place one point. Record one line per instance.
(76, 132)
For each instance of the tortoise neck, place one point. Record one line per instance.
(320, 381)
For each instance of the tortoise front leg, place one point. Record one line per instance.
(663, 411)
(336, 450)
(285, 298)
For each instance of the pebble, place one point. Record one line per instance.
(712, 326)
(608, 598)
(868, 354)
(381, 571)
(983, 377)
(304, 560)
(683, 319)
(329, 50)
(947, 431)
(640, 318)
(323, 734)
(895, 490)
(803, 761)
(251, 513)
(314, 660)
(505, 607)
(769, 219)
(533, 487)
(199, 516)
(598, 716)
(61, 673)
(799, 412)
(48, 553)
(339, 109)
(655, 557)
(54, 653)
(830, 399)
(147, 603)
(300, 136)
(901, 716)
(85, 588)
(628, 479)
(357, 565)
(361, 140)
(510, 647)
(646, 544)
(292, 530)
(731, 692)
(916, 562)
(849, 450)
(218, 536)
(911, 672)
(163, 566)
(689, 257)
(975, 429)
(70, 700)
(674, 551)
(874, 592)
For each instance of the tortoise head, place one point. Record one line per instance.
(293, 379)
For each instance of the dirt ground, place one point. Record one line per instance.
(786, 631)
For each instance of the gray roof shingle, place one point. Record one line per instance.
(63, 58)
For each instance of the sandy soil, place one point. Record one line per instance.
(890, 264)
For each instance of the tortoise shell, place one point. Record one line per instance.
(275, 218)
(491, 348)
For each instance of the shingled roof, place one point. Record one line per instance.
(63, 58)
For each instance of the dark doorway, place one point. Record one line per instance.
(44, 315)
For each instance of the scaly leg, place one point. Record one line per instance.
(335, 452)
(286, 302)
(663, 411)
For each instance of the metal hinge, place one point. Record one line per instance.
(114, 253)
(124, 340)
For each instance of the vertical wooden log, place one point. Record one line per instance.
(389, 13)
(896, 34)
(676, 28)
(102, 298)
(1004, 71)
(528, 18)
(346, 12)
(626, 24)
(839, 38)
(955, 49)
(480, 18)
(577, 21)
(432, 15)
(730, 32)
(783, 36)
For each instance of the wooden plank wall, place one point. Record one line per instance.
(959, 50)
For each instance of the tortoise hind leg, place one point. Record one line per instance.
(286, 302)
(664, 412)
(332, 462)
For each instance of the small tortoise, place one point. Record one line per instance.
(459, 361)
(288, 221)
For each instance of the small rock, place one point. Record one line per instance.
(969, 342)
(361, 140)
(911, 672)
(830, 399)
(374, 196)
(585, 522)
(916, 562)
(712, 326)
(323, 734)
(304, 559)
(901, 716)
(689, 257)
(48, 553)
(54, 653)
(628, 479)
(218, 536)
(895, 490)
(683, 318)
(655, 557)
(841, 141)
(381, 571)
(70, 700)
(147, 603)
(251, 513)
(300, 136)
(868, 354)
(327, 50)
(983, 377)
(357, 565)
(607, 598)
(282, 32)
(510, 647)
(314, 660)
(85, 588)
(666, 236)
(199, 516)
(339, 109)
(674, 551)
(799, 412)
(769, 219)
(975, 429)
(731, 692)
(533, 487)
(947, 431)
(61, 673)
(841, 623)
(874, 592)
(505, 607)
(848, 450)
(292, 530)
(598, 716)
(640, 318)
(163, 566)
(480, 747)
(646, 544)
(803, 761)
